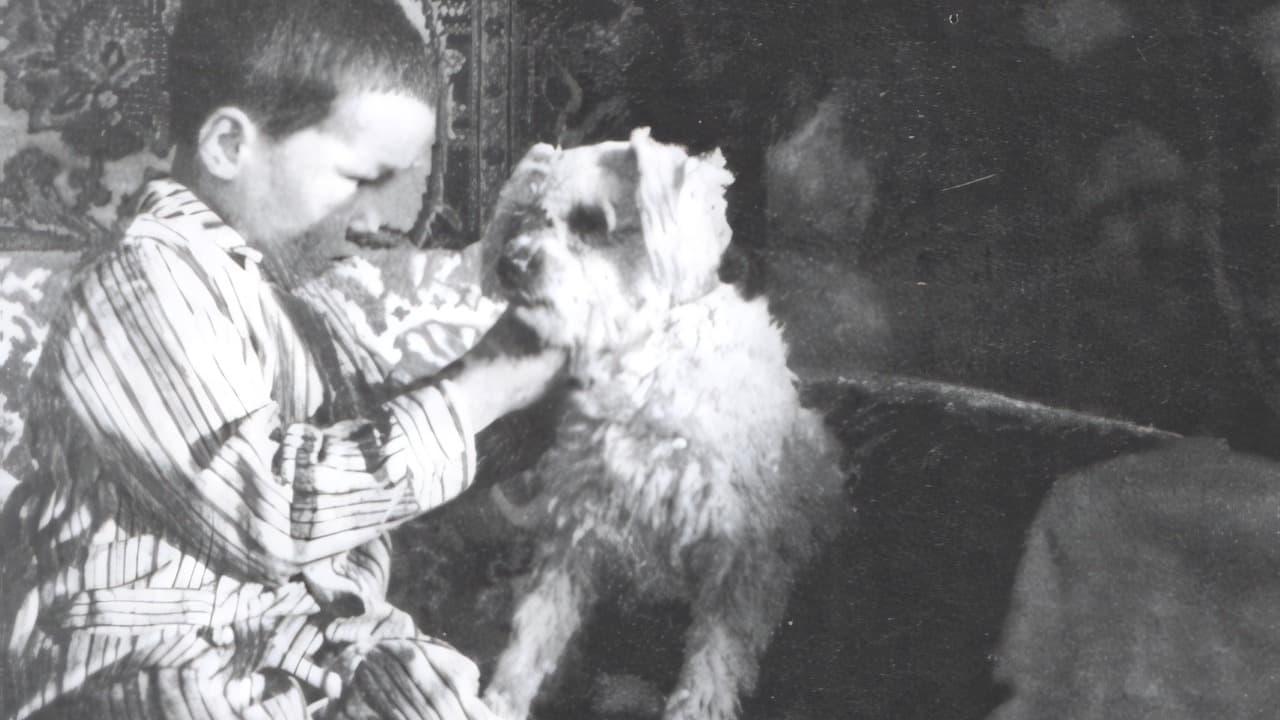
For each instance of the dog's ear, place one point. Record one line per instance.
(523, 189)
(682, 209)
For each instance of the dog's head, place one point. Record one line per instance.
(591, 244)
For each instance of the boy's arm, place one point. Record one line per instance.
(346, 473)
(178, 398)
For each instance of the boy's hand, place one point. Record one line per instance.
(508, 370)
(412, 676)
(508, 338)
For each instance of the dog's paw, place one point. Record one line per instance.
(503, 707)
(705, 705)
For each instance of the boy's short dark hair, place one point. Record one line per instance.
(284, 62)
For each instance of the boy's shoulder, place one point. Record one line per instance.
(169, 220)
(172, 234)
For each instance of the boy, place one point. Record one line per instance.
(219, 462)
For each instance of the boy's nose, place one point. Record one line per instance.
(365, 221)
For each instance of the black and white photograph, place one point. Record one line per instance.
(639, 359)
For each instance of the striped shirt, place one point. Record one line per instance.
(219, 462)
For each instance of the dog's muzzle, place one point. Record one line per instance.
(520, 261)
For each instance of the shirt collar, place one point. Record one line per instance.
(169, 200)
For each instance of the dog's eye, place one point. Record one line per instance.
(589, 221)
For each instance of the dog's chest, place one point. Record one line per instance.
(648, 472)
(652, 487)
(678, 446)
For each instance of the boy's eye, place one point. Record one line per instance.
(372, 181)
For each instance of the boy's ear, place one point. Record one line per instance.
(224, 140)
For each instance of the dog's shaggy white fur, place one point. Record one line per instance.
(684, 466)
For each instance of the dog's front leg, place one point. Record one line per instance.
(731, 628)
(545, 620)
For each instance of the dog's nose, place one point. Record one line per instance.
(519, 260)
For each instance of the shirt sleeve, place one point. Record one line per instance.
(159, 365)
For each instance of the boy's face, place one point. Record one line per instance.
(321, 173)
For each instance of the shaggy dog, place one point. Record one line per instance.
(684, 467)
